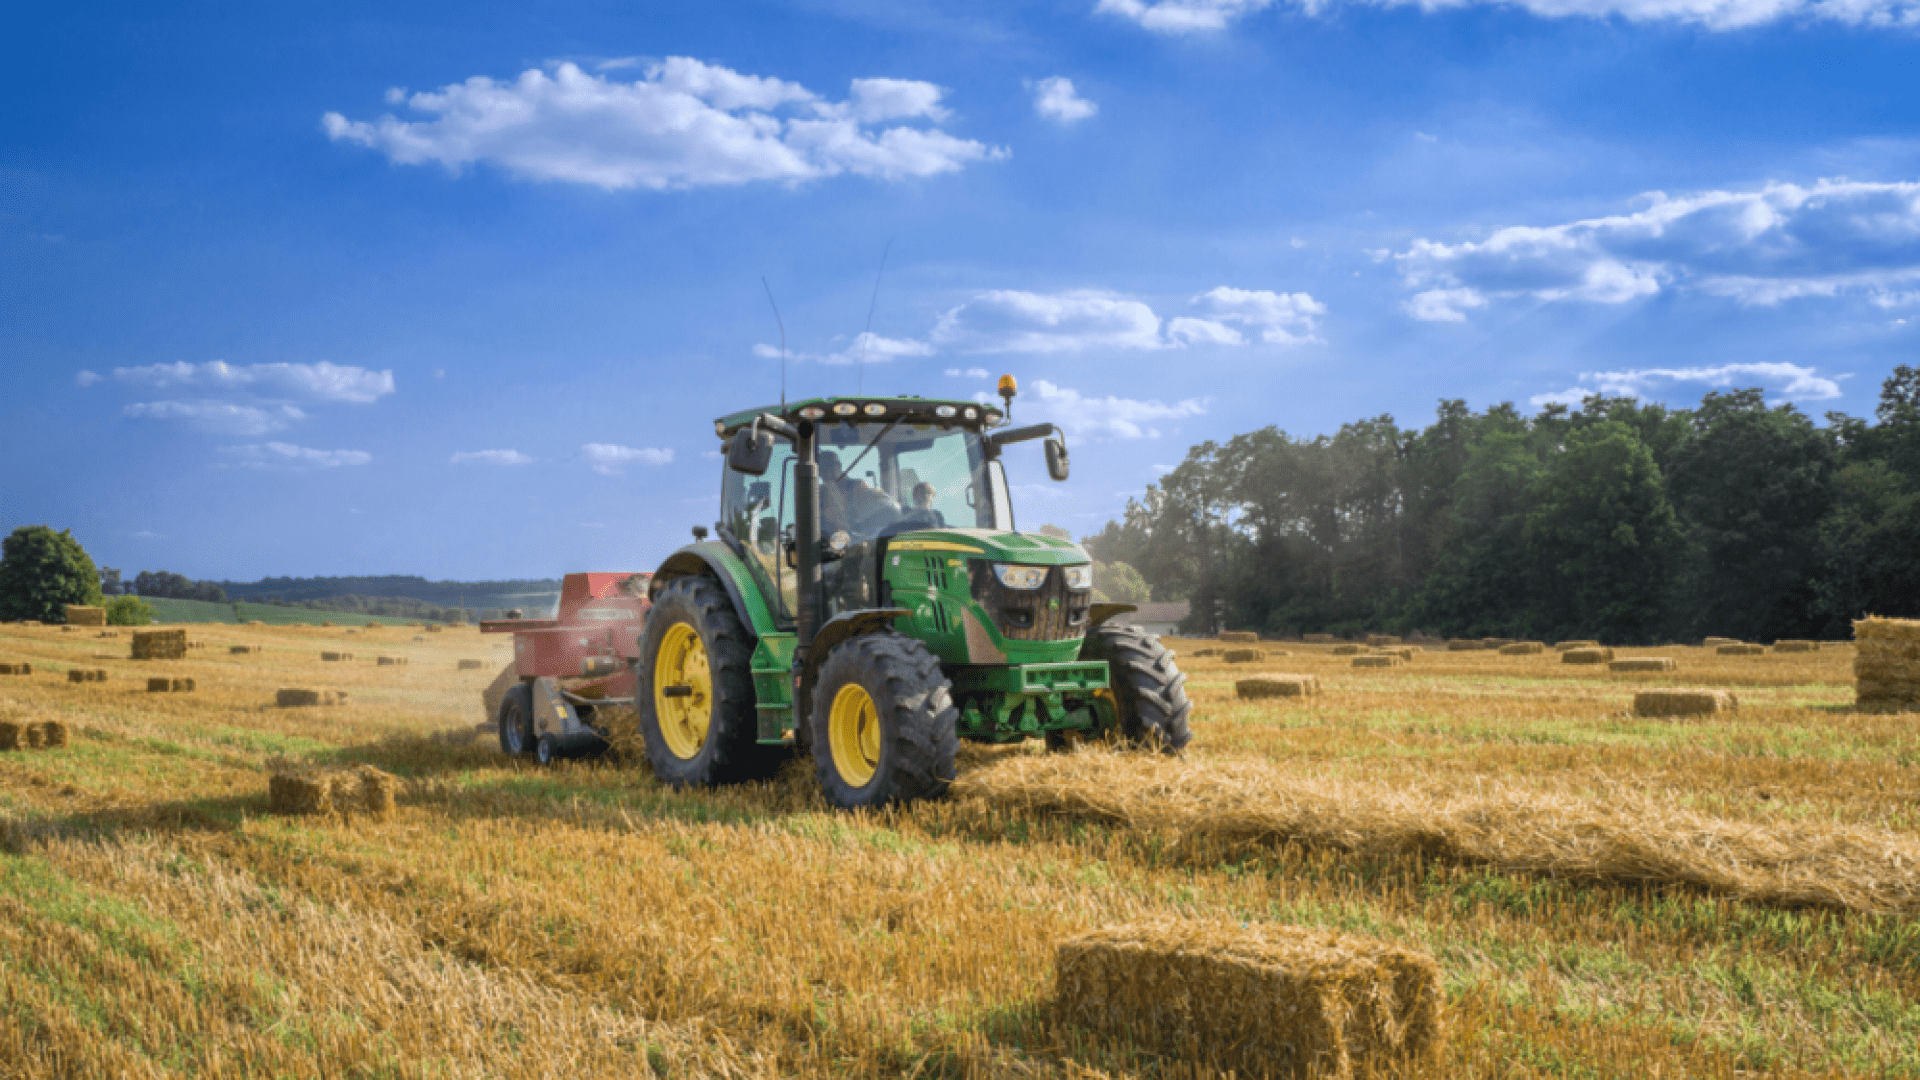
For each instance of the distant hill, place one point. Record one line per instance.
(531, 594)
(171, 610)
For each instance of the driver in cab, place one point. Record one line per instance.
(850, 504)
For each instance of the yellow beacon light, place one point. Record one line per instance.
(1008, 388)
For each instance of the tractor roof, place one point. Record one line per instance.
(869, 410)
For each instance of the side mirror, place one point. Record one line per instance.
(750, 451)
(1057, 459)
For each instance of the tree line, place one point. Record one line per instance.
(1617, 520)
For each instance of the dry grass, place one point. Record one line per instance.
(506, 920)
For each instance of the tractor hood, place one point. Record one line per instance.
(1034, 549)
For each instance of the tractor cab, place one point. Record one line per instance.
(868, 593)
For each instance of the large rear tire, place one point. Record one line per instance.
(516, 721)
(885, 730)
(694, 688)
(1149, 692)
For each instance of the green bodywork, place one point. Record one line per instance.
(1005, 689)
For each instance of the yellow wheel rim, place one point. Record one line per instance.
(853, 733)
(682, 662)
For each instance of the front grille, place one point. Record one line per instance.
(1051, 612)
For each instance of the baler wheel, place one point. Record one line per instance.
(885, 729)
(1149, 692)
(545, 751)
(694, 688)
(516, 721)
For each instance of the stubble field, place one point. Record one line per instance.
(1608, 896)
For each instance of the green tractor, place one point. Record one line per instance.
(866, 593)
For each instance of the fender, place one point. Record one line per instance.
(849, 624)
(714, 560)
(1099, 613)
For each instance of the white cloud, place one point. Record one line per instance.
(87, 378)
(607, 459)
(1789, 381)
(304, 382)
(219, 417)
(1281, 318)
(1781, 242)
(1190, 16)
(279, 455)
(1183, 16)
(493, 457)
(868, 347)
(1055, 99)
(1012, 321)
(1185, 331)
(683, 124)
(969, 373)
(1121, 418)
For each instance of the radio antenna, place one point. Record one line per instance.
(783, 341)
(860, 385)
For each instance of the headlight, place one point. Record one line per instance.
(1080, 577)
(1020, 577)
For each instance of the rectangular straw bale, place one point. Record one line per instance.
(16, 669)
(1594, 655)
(300, 793)
(1464, 645)
(1243, 656)
(390, 661)
(183, 686)
(1496, 642)
(1348, 650)
(362, 789)
(1319, 639)
(1657, 703)
(471, 665)
(53, 734)
(1741, 650)
(240, 649)
(1643, 663)
(375, 790)
(1266, 686)
(1563, 646)
(1260, 1000)
(84, 615)
(1205, 652)
(1716, 642)
(1404, 652)
(297, 697)
(159, 644)
(77, 675)
(108, 634)
(336, 656)
(1886, 662)
(1796, 646)
(1238, 637)
(1377, 661)
(1378, 640)
(159, 684)
(33, 736)
(12, 733)
(1523, 648)
(433, 629)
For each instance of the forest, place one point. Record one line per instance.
(1619, 520)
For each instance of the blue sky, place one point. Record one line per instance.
(457, 290)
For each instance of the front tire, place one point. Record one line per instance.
(516, 721)
(1149, 692)
(694, 687)
(885, 729)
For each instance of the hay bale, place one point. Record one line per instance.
(1377, 661)
(1587, 655)
(1716, 642)
(334, 656)
(390, 661)
(159, 644)
(1656, 703)
(1796, 646)
(362, 789)
(1523, 648)
(183, 686)
(1563, 646)
(33, 736)
(1319, 639)
(53, 734)
(1404, 652)
(1348, 650)
(16, 669)
(77, 675)
(107, 634)
(1495, 643)
(159, 684)
(1268, 686)
(1741, 650)
(84, 615)
(1886, 665)
(12, 733)
(470, 665)
(1237, 637)
(1643, 663)
(239, 650)
(1464, 645)
(1243, 656)
(1378, 640)
(1260, 1000)
(300, 697)
(1206, 652)
(434, 629)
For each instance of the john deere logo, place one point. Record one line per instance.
(1053, 603)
